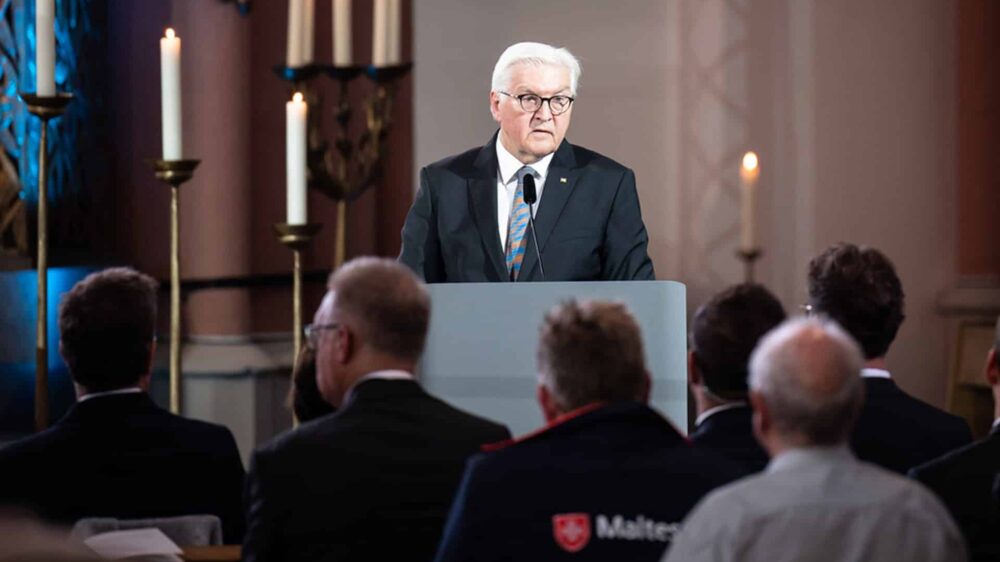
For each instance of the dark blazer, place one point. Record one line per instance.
(123, 456)
(730, 433)
(372, 481)
(589, 226)
(611, 482)
(965, 480)
(898, 432)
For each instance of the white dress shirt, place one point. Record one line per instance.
(388, 374)
(129, 390)
(712, 411)
(507, 185)
(875, 373)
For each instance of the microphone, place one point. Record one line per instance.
(530, 197)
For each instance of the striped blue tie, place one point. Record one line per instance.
(517, 226)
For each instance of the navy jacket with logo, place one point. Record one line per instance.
(606, 482)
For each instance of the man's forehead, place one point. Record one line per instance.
(539, 78)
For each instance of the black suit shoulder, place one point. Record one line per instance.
(129, 459)
(899, 432)
(966, 480)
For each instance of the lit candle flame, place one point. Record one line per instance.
(170, 33)
(750, 161)
(297, 97)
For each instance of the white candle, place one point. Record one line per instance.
(342, 32)
(45, 47)
(170, 95)
(379, 30)
(308, 30)
(394, 21)
(296, 112)
(293, 56)
(749, 172)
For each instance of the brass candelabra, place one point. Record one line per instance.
(748, 257)
(296, 237)
(174, 173)
(352, 165)
(45, 108)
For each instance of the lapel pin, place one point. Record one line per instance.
(562, 180)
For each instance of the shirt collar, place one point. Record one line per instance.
(509, 164)
(712, 411)
(800, 456)
(129, 390)
(875, 373)
(387, 374)
(996, 423)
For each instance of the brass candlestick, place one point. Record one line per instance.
(296, 237)
(174, 173)
(45, 108)
(749, 257)
(352, 165)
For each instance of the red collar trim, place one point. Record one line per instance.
(491, 447)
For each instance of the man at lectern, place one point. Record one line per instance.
(528, 206)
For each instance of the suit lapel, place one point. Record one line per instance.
(554, 198)
(483, 195)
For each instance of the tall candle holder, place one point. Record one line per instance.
(352, 165)
(296, 237)
(749, 256)
(174, 173)
(45, 108)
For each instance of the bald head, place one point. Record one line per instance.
(807, 372)
(385, 303)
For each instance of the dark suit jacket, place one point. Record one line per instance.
(589, 227)
(730, 433)
(965, 481)
(621, 471)
(123, 456)
(371, 482)
(899, 432)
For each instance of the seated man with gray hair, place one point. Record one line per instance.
(815, 500)
(607, 479)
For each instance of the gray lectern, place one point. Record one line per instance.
(481, 347)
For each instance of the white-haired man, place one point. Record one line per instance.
(470, 219)
(815, 500)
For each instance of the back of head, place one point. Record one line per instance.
(591, 351)
(107, 326)
(538, 54)
(808, 373)
(725, 330)
(858, 287)
(388, 304)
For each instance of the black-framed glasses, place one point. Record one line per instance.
(312, 331)
(533, 102)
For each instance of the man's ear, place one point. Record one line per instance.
(344, 345)
(993, 367)
(495, 106)
(694, 375)
(647, 387)
(761, 415)
(547, 403)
